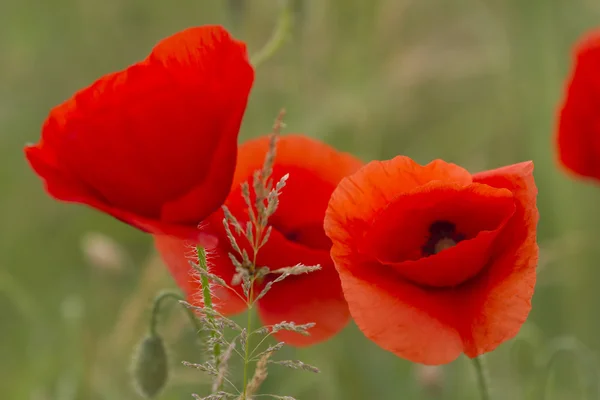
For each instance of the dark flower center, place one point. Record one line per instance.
(442, 236)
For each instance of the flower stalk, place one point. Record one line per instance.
(208, 304)
(247, 342)
(482, 378)
(156, 307)
(278, 37)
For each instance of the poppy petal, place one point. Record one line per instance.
(399, 232)
(143, 141)
(58, 183)
(61, 185)
(399, 316)
(508, 285)
(360, 198)
(578, 133)
(314, 297)
(314, 169)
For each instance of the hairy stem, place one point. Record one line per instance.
(482, 377)
(208, 304)
(247, 344)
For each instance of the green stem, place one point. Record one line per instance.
(158, 300)
(280, 33)
(207, 298)
(482, 378)
(247, 344)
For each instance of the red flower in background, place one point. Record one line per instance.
(153, 145)
(435, 261)
(578, 136)
(297, 237)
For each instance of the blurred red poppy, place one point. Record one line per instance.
(578, 134)
(434, 261)
(297, 237)
(153, 145)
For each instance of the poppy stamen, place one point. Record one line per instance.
(442, 236)
(443, 244)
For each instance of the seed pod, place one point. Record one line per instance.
(150, 366)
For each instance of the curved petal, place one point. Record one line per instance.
(578, 133)
(62, 186)
(144, 140)
(507, 287)
(361, 197)
(325, 306)
(218, 175)
(314, 297)
(405, 319)
(398, 235)
(177, 255)
(401, 317)
(314, 169)
(297, 235)
(295, 149)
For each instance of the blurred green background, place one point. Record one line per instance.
(476, 82)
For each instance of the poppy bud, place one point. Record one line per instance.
(150, 366)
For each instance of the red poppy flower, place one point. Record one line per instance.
(578, 135)
(297, 237)
(153, 145)
(435, 261)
